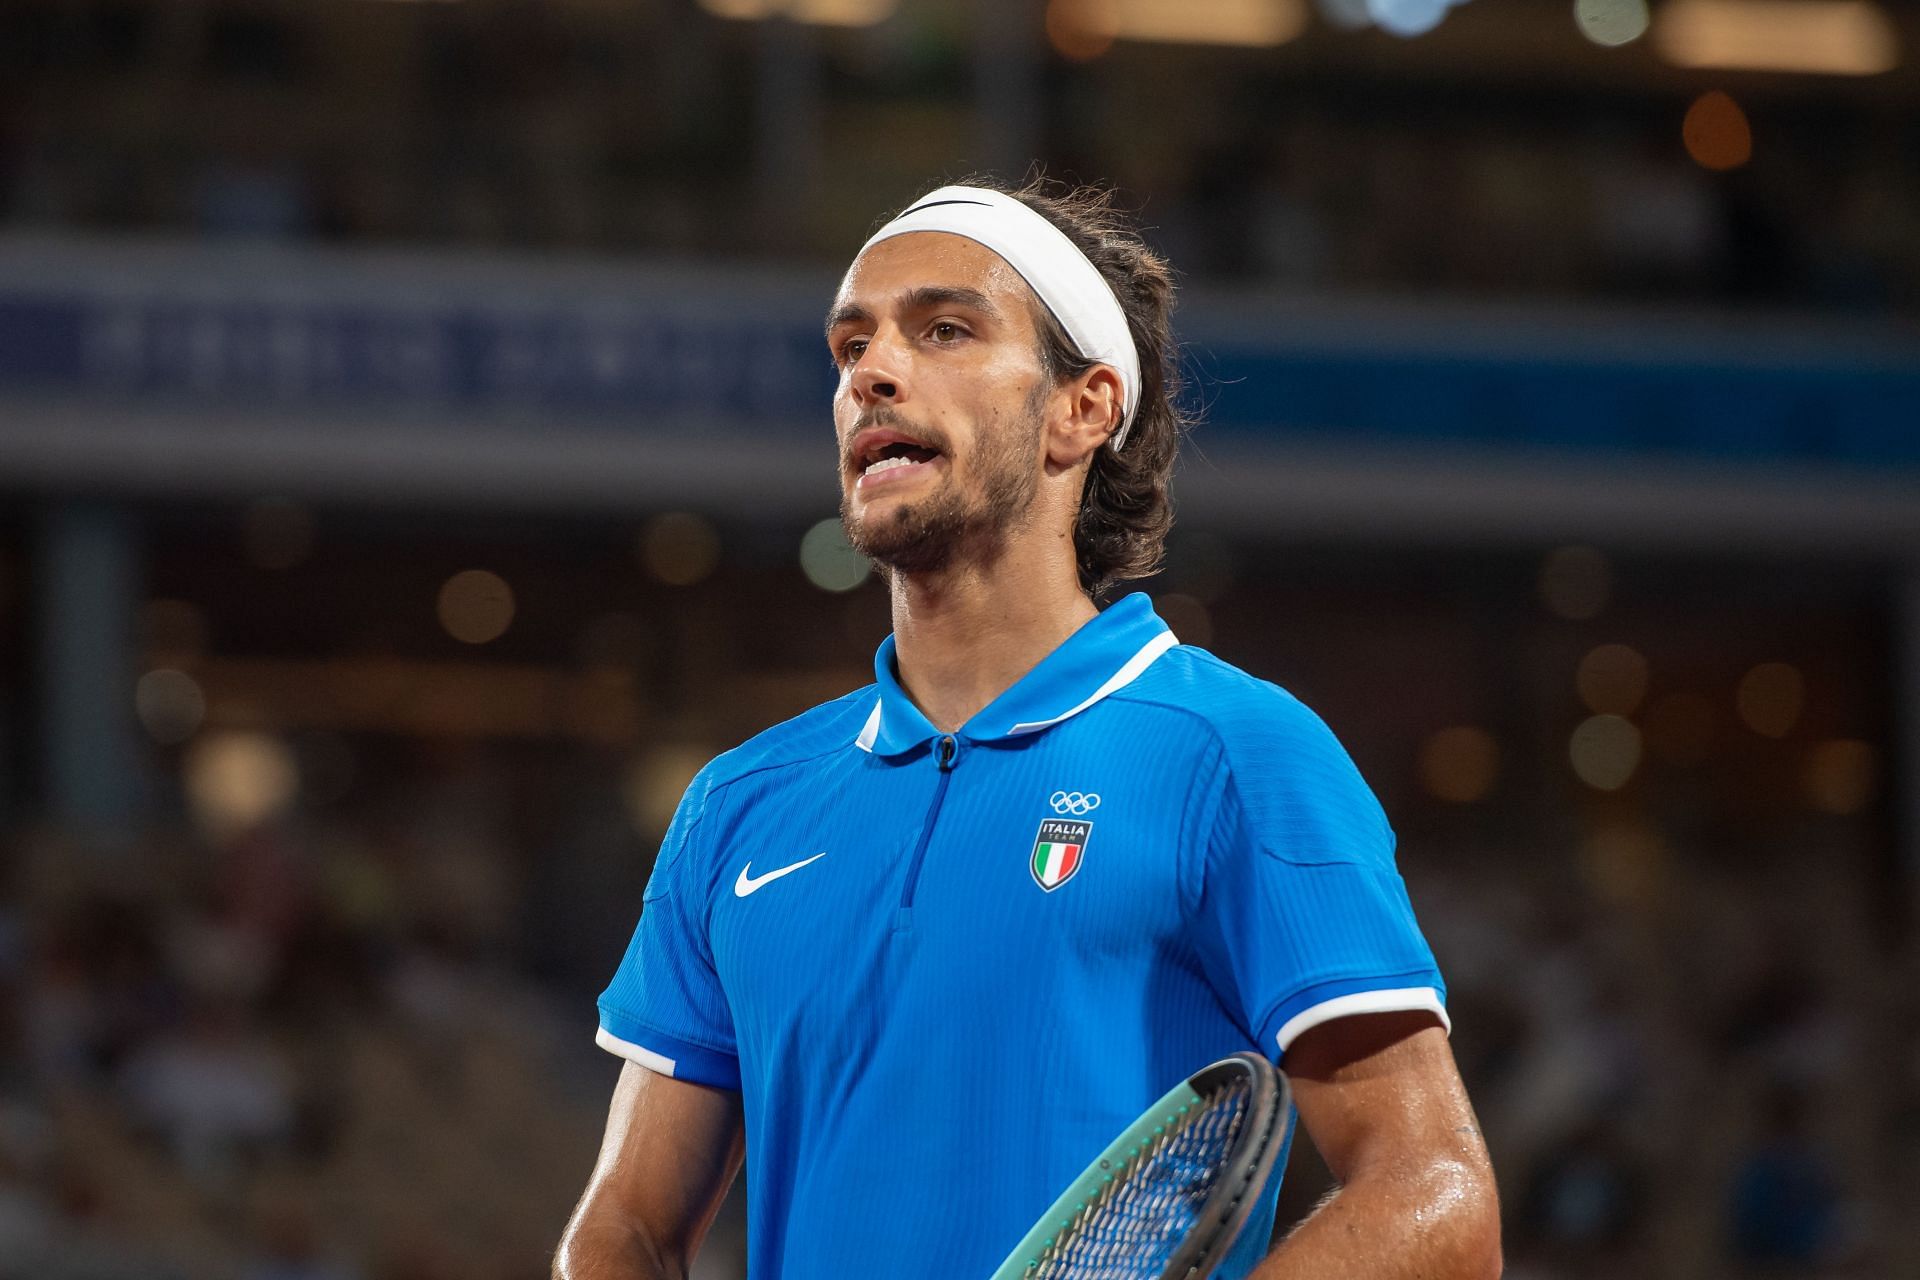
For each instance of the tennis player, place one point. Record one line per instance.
(915, 956)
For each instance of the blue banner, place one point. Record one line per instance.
(628, 365)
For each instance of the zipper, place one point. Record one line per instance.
(943, 755)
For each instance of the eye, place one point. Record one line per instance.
(946, 331)
(850, 350)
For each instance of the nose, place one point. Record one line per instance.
(878, 374)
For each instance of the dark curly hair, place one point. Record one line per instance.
(1126, 508)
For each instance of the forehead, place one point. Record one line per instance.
(921, 259)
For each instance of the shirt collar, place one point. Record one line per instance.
(1107, 653)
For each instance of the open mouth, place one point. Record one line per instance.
(899, 454)
(888, 460)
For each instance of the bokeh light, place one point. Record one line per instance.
(476, 606)
(1460, 764)
(1612, 22)
(1080, 30)
(827, 559)
(656, 781)
(1770, 699)
(236, 781)
(1085, 29)
(842, 13)
(1810, 37)
(1408, 18)
(827, 13)
(276, 533)
(1841, 776)
(1612, 678)
(1189, 620)
(680, 548)
(1605, 751)
(1576, 583)
(1716, 132)
(170, 705)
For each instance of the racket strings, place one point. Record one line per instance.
(1131, 1228)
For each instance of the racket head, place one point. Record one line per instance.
(1245, 1105)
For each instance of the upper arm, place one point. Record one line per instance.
(670, 1152)
(667, 1007)
(675, 1131)
(1382, 1100)
(1380, 1095)
(1301, 916)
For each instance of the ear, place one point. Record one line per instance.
(1091, 414)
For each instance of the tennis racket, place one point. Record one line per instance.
(1169, 1197)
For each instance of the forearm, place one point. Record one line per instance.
(671, 1150)
(1439, 1222)
(598, 1245)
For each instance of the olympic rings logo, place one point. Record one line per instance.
(1074, 802)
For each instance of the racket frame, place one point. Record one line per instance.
(1235, 1193)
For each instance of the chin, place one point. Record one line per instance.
(906, 537)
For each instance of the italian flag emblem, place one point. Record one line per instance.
(1058, 851)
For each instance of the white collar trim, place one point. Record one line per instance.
(870, 732)
(1126, 675)
(1129, 671)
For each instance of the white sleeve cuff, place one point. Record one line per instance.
(1394, 1000)
(647, 1058)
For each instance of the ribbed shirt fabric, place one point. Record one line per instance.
(929, 1040)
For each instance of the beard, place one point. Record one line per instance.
(950, 526)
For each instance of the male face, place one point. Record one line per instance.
(938, 410)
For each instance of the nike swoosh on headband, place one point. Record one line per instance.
(935, 204)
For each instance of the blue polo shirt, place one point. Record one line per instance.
(944, 970)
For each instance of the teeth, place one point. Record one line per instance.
(887, 464)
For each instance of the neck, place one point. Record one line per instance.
(965, 634)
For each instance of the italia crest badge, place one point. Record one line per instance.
(1058, 851)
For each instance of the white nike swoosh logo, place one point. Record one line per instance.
(747, 883)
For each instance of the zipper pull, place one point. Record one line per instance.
(947, 748)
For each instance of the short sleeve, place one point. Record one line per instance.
(665, 1008)
(1302, 916)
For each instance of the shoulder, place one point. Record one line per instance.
(820, 731)
(812, 735)
(1248, 716)
(1281, 764)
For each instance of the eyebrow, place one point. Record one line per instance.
(925, 298)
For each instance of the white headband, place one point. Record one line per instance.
(1052, 265)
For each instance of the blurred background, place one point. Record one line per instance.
(411, 414)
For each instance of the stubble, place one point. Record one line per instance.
(951, 526)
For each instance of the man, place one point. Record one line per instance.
(918, 954)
